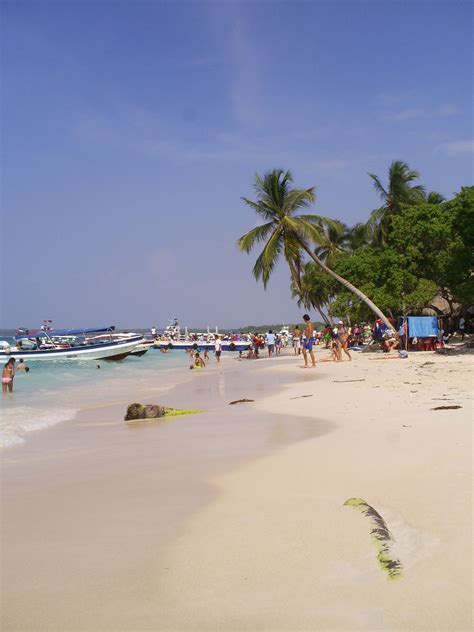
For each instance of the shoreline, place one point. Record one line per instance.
(179, 511)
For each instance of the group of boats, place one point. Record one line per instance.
(105, 343)
(173, 338)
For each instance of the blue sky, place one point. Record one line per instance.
(130, 130)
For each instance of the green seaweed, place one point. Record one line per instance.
(381, 537)
(175, 412)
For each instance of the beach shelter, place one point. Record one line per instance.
(423, 327)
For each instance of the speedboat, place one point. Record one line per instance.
(172, 338)
(69, 344)
(139, 350)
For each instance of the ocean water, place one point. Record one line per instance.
(54, 390)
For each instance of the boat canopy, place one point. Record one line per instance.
(40, 333)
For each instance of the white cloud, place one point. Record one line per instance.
(407, 114)
(456, 147)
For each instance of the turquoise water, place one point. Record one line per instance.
(54, 390)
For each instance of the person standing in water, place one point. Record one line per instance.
(308, 342)
(218, 348)
(8, 374)
(21, 366)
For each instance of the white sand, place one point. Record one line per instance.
(234, 520)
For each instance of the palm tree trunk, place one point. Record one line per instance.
(323, 315)
(360, 295)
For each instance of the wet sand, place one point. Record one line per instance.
(234, 520)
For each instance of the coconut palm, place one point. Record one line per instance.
(316, 291)
(289, 232)
(358, 236)
(336, 244)
(398, 194)
(433, 197)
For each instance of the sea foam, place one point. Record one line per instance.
(16, 422)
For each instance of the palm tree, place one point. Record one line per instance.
(399, 193)
(433, 197)
(336, 244)
(358, 236)
(316, 291)
(285, 230)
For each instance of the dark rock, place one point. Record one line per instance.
(147, 411)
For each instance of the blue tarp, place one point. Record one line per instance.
(422, 326)
(38, 333)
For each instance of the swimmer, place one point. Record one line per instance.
(8, 373)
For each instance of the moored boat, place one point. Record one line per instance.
(172, 338)
(69, 344)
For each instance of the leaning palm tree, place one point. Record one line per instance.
(398, 194)
(286, 230)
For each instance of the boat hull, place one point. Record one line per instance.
(227, 345)
(105, 351)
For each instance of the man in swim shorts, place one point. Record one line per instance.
(308, 342)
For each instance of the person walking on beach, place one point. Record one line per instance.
(8, 374)
(270, 340)
(297, 340)
(342, 341)
(308, 343)
(218, 348)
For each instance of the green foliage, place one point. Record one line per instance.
(429, 250)
(398, 194)
(437, 242)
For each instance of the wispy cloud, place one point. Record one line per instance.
(407, 114)
(457, 147)
(245, 87)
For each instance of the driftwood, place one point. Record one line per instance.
(241, 401)
(300, 396)
(446, 407)
(342, 381)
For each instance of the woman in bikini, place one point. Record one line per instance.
(342, 341)
(8, 374)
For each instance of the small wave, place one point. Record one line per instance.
(15, 423)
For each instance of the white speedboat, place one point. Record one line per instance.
(172, 338)
(139, 350)
(68, 344)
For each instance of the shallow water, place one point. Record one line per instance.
(54, 390)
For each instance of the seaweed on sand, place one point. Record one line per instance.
(381, 536)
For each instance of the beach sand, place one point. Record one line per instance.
(235, 519)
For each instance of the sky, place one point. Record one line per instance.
(130, 131)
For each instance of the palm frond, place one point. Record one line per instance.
(267, 260)
(378, 186)
(261, 207)
(298, 198)
(254, 236)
